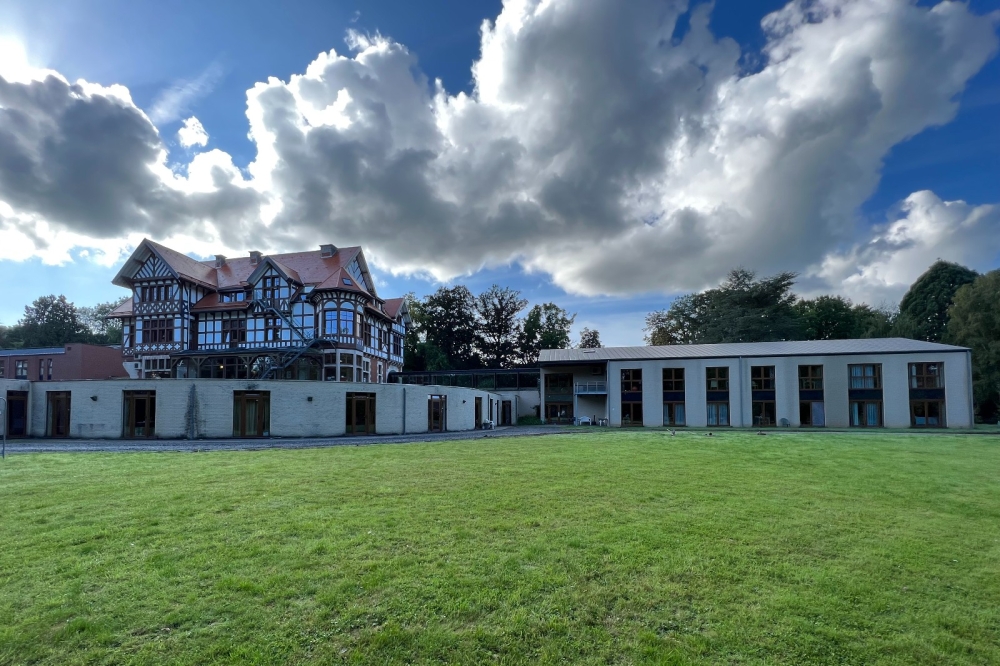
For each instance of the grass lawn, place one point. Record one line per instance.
(602, 547)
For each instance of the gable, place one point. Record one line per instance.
(153, 267)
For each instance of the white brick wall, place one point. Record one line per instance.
(204, 407)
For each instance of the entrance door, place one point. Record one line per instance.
(251, 413)
(360, 414)
(437, 406)
(479, 413)
(139, 414)
(506, 416)
(57, 414)
(17, 413)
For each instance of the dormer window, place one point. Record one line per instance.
(348, 282)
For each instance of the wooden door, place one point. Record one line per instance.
(57, 414)
(506, 413)
(139, 414)
(479, 413)
(437, 413)
(17, 413)
(360, 414)
(251, 414)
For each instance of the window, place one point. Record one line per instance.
(763, 412)
(347, 322)
(157, 331)
(3, 368)
(234, 330)
(926, 375)
(153, 293)
(157, 367)
(762, 378)
(397, 347)
(927, 413)
(866, 413)
(272, 329)
(50, 369)
(867, 376)
(41, 369)
(717, 379)
(810, 377)
(718, 413)
(269, 288)
(673, 413)
(673, 379)
(369, 337)
(232, 297)
(559, 383)
(20, 369)
(348, 282)
(812, 413)
(631, 381)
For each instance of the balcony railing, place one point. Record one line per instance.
(590, 388)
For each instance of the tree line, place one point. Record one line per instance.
(453, 329)
(949, 303)
(53, 321)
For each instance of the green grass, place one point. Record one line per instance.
(603, 547)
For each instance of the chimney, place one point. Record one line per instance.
(220, 261)
(327, 251)
(254, 257)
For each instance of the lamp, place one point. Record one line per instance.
(310, 398)
(94, 398)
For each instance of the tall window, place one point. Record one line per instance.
(41, 369)
(50, 369)
(810, 377)
(397, 346)
(20, 369)
(631, 381)
(272, 329)
(269, 287)
(866, 376)
(717, 379)
(3, 368)
(673, 379)
(347, 322)
(866, 413)
(234, 330)
(718, 413)
(926, 375)
(762, 378)
(157, 330)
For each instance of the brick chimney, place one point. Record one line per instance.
(254, 257)
(327, 251)
(220, 261)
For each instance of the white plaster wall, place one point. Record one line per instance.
(210, 406)
(895, 390)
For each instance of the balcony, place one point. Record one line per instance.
(590, 388)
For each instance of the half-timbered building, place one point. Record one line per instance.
(304, 315)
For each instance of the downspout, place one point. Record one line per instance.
(403, 387)
(971, 401)
(741, 392)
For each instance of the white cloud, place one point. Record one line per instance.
(928, 229)
(599, 146)
(176, 100)
(192, 133)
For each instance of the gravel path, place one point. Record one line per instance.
(146, 445)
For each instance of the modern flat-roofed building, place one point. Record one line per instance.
(882, 382)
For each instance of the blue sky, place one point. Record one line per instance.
(206, 56)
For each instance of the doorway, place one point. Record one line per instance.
(57, 414)
(437, 413)
(139, 414)
(360, 414)
(17, 413)
(251, 413)
(506, 413)
(479, 413)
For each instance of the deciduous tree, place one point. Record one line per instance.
(590, 339)
(51, 321)
(545, 326)
(923, 312)
(497, 311)
(974, 322)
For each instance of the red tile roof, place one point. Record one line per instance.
(392, 307)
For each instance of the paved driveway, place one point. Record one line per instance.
(122, 445)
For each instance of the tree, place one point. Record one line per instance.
(679, 324)
(544, 327)
(974, 322)
(447, 321)
(590, 339)
(51, 321)
(497, 310)
(103, 331)
(923, 312)
(828, 318)
(875, 322)
(741, 309)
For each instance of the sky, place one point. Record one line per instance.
(605, 156)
